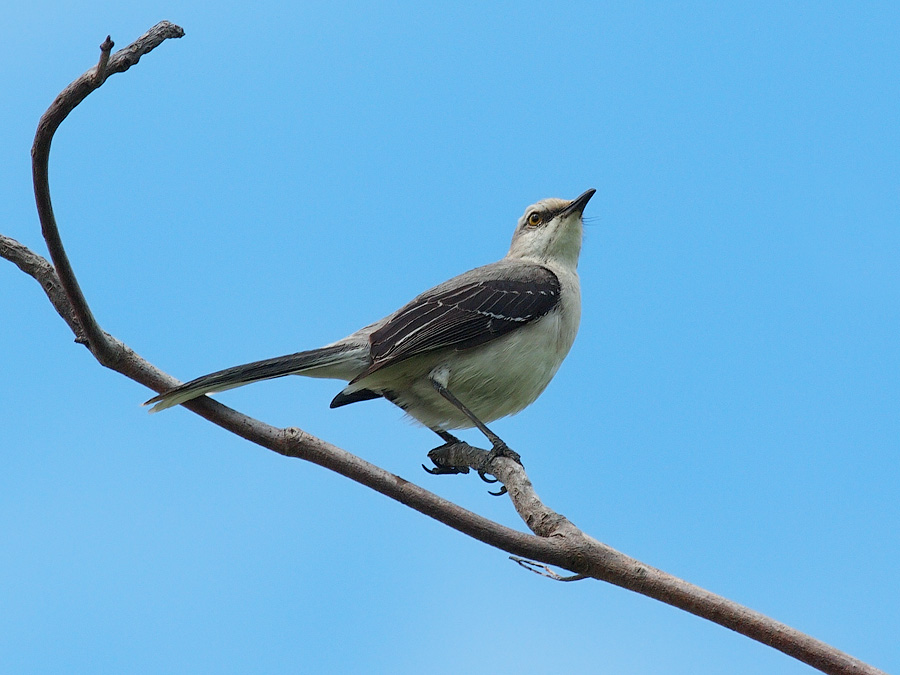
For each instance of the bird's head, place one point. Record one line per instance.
(550, 231)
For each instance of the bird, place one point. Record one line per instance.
(478, 347)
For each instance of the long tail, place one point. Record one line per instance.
(338, 361)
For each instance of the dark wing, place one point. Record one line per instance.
(464, 316)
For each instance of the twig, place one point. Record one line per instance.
(556, 541)
(101, 72)
(544, 570)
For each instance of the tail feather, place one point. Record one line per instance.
(325, 359)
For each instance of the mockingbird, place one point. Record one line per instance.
(478, 347)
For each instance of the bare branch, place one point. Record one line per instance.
(106, 350)
(42, 271)
(556, 541)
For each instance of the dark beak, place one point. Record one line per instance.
(577, 205)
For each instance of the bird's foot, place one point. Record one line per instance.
(500, 449)
(439, 456)
(457, 456)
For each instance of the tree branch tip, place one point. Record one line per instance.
(174, 29)
(108, 44)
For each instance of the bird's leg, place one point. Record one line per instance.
(440, 467)
(446, 435)
(499, 448)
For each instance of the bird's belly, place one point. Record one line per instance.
(493, 380)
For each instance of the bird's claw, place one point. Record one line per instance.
(440, 467)
(500, 492)
(440, 470)
(499, 449)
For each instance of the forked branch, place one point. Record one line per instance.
(555, 540)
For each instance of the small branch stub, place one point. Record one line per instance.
(105, 49)
(544, 570)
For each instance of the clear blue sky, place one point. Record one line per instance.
(730, 411)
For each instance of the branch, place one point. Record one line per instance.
(38, 268)
(556, 541)
(107, 350)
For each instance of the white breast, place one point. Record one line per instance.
(497, 379)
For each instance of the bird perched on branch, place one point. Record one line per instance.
(471, 350)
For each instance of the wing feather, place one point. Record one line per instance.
(465, 315)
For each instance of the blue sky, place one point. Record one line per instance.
(729, 412)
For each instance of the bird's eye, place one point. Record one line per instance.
(535, 219)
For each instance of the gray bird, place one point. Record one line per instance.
(471, 350)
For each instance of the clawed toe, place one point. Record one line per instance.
(445, 470)
(441, 467)
(442, 456)
(484, 477)
(500, 449)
